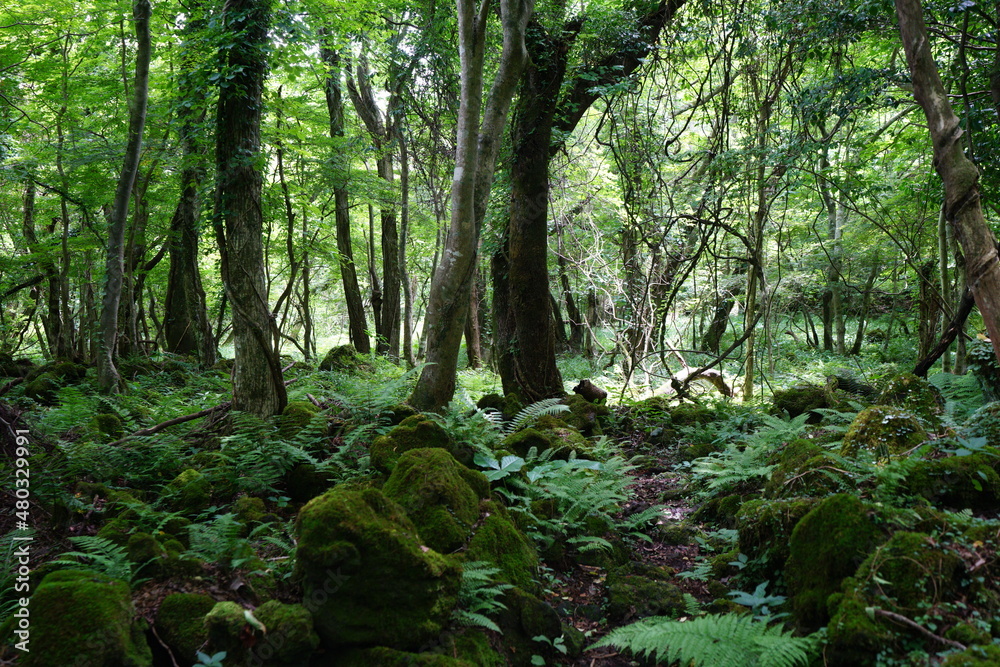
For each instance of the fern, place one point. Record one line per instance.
(546, 406)
(728, 640)
(98, 554)
(219, 541)
(479, 595)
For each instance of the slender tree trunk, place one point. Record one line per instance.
(477, 145)
(961, 178)
(108, 379)
(866, 301)
(357, 322)
(404, 232)
(258, 386)
(473, 333)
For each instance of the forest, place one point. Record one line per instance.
(510, 332)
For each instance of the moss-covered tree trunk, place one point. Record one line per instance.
(107, 375)
(258, 387)
(959, 175)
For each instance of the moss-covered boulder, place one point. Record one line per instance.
(109, 425)
(439, 494)
(691, 414)
(854, 637)
(885, 430)
(720, 510)
(229, 630)
(549, 432)
(43, 388)
(143, 547)
(367, 574)
(957, 482)
(785, 479)
(765, 527)
(913, 394)
(82, 617)
(827, 546)
(498, 541)
(525, 618)
(639, 590)
(249, 509)
(190, 492)
(295, 417)
(343, 358)
(798, 400)
(414, 432)
(586, 417)
(908, 571)
(289, 639)
(180, 623)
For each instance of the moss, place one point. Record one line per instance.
(343, 358)
(290, 639)
(765, 527)
(975, 656)
(189, 492)
(43, 388)
(399, 413)
(637, 591)
(295, 417)
(382, 656)
(908, 570)
(390, 590)
(117, 530)
(799, 400)
(968, 634)
(439, 494)
(915, 395)
(588, 418)
(826, 546)
(249, 509)
(957, 482)
(228, 630)
(473, 646)
(789, 464)
(885, 430)
(82, 617)
(720, 510)
(522, 441)
(180, 623)
(108, 424)
(143, 547)
(414, 432)
(525, 618)
(985, 423)
(499, 542)
(690, 414)
(853, 636)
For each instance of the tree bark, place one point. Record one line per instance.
(477, 145)
(357, 323)
(959, 175)
(258, 387)
(186, 325)
(108, 379)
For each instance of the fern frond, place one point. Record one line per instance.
(728, 640)
(546, 406)
(98, 554)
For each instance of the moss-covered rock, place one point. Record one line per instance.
(343, 358)
(910, 569)
(913, 394)
(987, 655)
(295, 417)
(720, 510)
(382, 656)
(765, 527)
(499, 542)
(525, 618)
(854, 638)
(180, 623)
(639, 590)
(798, 400)
(304, 482)
(789, 466)
(826, 546)
(367, 574)
(290, 639)
(586, 417)
(690, 414)
(82, 617)
(190, 492)
(249, 509)
(43, 388)
(229, 631)
(885, 430)
(439, 494)
(957, 482)
(143, 547)
(414, 432)
(109, 425)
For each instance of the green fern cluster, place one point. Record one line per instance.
(101, 555)
(727, 640)
(479, 595)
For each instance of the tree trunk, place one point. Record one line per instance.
(866, 301)
(108, 379)
(477, 145)
(186, 325)
(962, 205)
(473, 333)
(357, 323)
(258, 387)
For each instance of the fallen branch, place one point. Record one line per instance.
(176, 420)
(10, 385)
(899, 618)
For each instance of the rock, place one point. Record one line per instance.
(915, 395)
(885, 430)
(587, 417)
(189, 492)
(439, 494)
(296, 416)
(82, 617)
(414, 432)
(798, 400)
(499, 542)
(637, 591)
(290, 639)
(765, 527)
(343, 358)
(180, 623)
(957, 482)
(367, 574)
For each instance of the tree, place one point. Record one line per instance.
(107, 375)
(477, 146)
(258, 386)
(962, 206)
